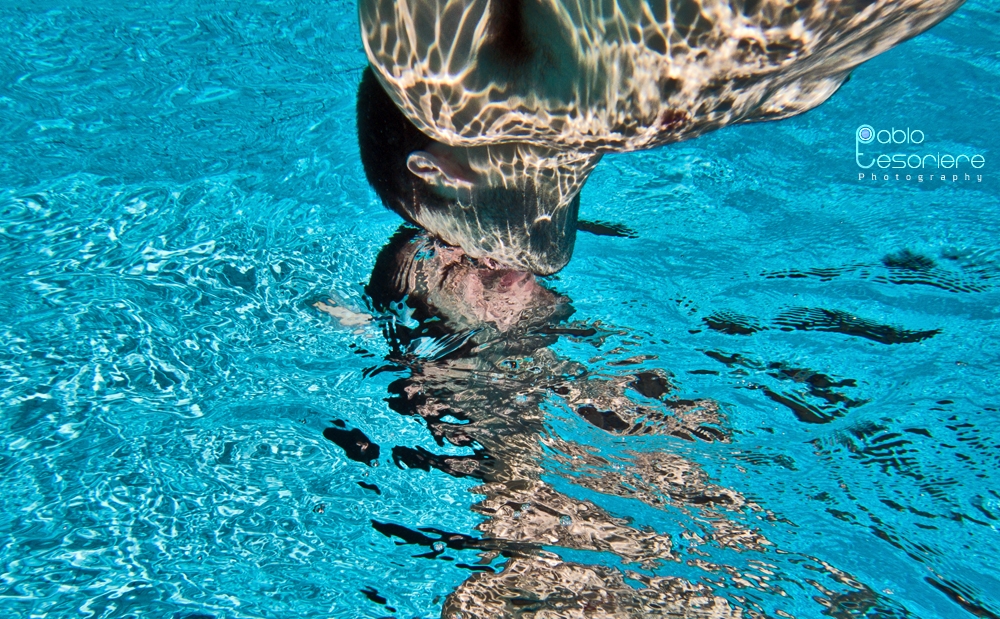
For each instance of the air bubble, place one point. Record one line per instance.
(438, 546)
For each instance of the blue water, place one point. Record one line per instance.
(178, 186)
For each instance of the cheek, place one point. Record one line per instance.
(470, 289)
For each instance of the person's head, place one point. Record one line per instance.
(513, 203)
(446, 291)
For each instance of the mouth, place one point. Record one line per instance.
(491, 274)
(513, 278)
(502, 280)
(468, 292)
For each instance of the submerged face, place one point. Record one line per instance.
(513, 204)
(467, 294)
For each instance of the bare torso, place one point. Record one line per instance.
(625, 75)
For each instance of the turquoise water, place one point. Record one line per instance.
(180, 184)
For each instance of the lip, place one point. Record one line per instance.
(512, 278)
(506, 280)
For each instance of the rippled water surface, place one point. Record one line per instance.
(778, 398)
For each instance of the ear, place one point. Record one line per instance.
(437, 171)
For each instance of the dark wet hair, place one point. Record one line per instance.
(387, 287)
(386, 138)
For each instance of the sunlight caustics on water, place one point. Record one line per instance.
(776, 395)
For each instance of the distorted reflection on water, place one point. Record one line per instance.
(763, 387)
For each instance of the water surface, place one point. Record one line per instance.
(180, 184)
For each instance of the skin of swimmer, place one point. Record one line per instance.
(514, 204)
(469, 294)
(516, 101)
(502, 416)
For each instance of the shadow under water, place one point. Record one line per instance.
(475, 347)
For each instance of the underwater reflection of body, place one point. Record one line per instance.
(476, 345)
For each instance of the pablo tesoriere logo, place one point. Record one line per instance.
(890, 154)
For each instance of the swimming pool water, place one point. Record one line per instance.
(180, 184)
